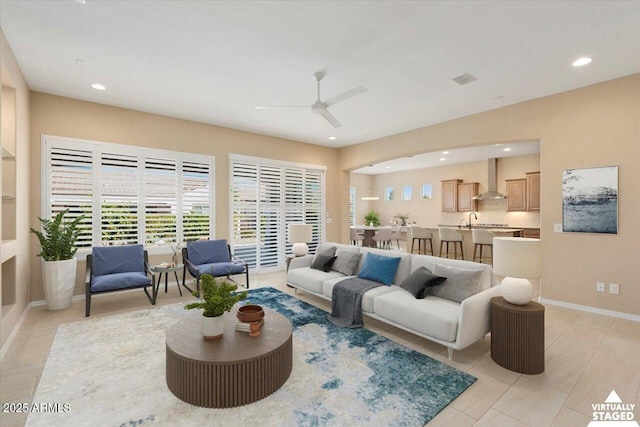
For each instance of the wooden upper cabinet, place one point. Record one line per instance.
(450, 195)
(516, 194)
(533, 191)
(466, 192)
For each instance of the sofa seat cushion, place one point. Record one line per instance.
(113, 281)
(432, 316)
(310, 279)
(367, 298)
(218, 269)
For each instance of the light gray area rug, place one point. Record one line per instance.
(111, 372)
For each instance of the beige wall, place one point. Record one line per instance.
(12, 77)
(428, 212)
(593, 126)
(54, 115)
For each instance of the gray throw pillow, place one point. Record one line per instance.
(461, 283)
(324, 250)
(419, 281)
(323, 262)
(346, 262)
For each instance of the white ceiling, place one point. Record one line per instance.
(213, 61)
(452, 157)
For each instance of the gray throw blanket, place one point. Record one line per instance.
(346, 302)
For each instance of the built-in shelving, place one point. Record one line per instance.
(6, 155)
(9, 248)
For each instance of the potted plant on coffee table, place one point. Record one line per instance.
(57, 242)
(217, 299)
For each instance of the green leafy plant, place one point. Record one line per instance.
(58, 237)
(217, 298)
(372, 217)
(403, 217)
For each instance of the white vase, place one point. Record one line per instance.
(59, 281)
(212, 328)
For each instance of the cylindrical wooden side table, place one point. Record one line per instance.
(517, 336)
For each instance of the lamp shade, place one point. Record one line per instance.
(300, 233)
(517, 257)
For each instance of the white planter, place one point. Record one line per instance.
(59, 280)
(212, 328)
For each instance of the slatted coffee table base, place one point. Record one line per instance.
(227, 385)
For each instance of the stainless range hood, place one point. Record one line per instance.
(491, 194)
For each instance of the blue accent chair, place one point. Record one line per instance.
(212, 257)
(118, 268)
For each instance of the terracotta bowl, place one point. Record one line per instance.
(250, 313)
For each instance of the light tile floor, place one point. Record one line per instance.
(587, 356)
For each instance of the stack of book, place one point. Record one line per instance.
(246, 326)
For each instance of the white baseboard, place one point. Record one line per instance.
(618, 314)
(14, 331)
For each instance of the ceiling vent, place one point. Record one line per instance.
(464, 79)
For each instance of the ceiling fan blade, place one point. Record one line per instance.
(330, 118)
(269, 107)
(345, 95)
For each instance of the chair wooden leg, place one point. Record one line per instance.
(455, 250)
(431, 242)
(413, 240)
(87, 302)
(475, 250)
(461, 251)
(441, 244)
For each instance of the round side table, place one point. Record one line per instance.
(517, 336)
(234, 370)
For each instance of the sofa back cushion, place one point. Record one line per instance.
(117, 259)
(379, 268)
(208, 251)
(404, 267)
(460, 284)
(487, 278)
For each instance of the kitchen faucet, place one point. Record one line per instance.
(474, 215)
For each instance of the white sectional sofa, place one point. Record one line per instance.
(452, 324)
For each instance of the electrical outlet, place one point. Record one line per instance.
(557, 228)
(599, 286)
(614, 288)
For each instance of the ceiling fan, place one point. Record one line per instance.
(320, 107)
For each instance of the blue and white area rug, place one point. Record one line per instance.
(110, 371)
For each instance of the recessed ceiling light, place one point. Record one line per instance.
(445, 152)
(387, 167)
(98, 86)
(442, 159)
(497, 145)
(507, 149)
(581, 61)
(332, 138)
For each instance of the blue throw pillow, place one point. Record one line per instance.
(379, 268)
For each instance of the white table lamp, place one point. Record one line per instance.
(299, 235)
(518, 259)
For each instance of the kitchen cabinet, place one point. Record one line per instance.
(531, 233)
(450, 195)
(533, 191)
(516, 194)
(466, 191)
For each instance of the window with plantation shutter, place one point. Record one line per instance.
(128, 194)
(266, 196)
(69, 185)
(352, 206)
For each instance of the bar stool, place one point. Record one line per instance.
(421, 235)
(482, 238)
(449, 235)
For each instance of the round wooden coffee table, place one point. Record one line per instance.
(232, 371)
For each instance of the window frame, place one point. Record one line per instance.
(96, 148)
